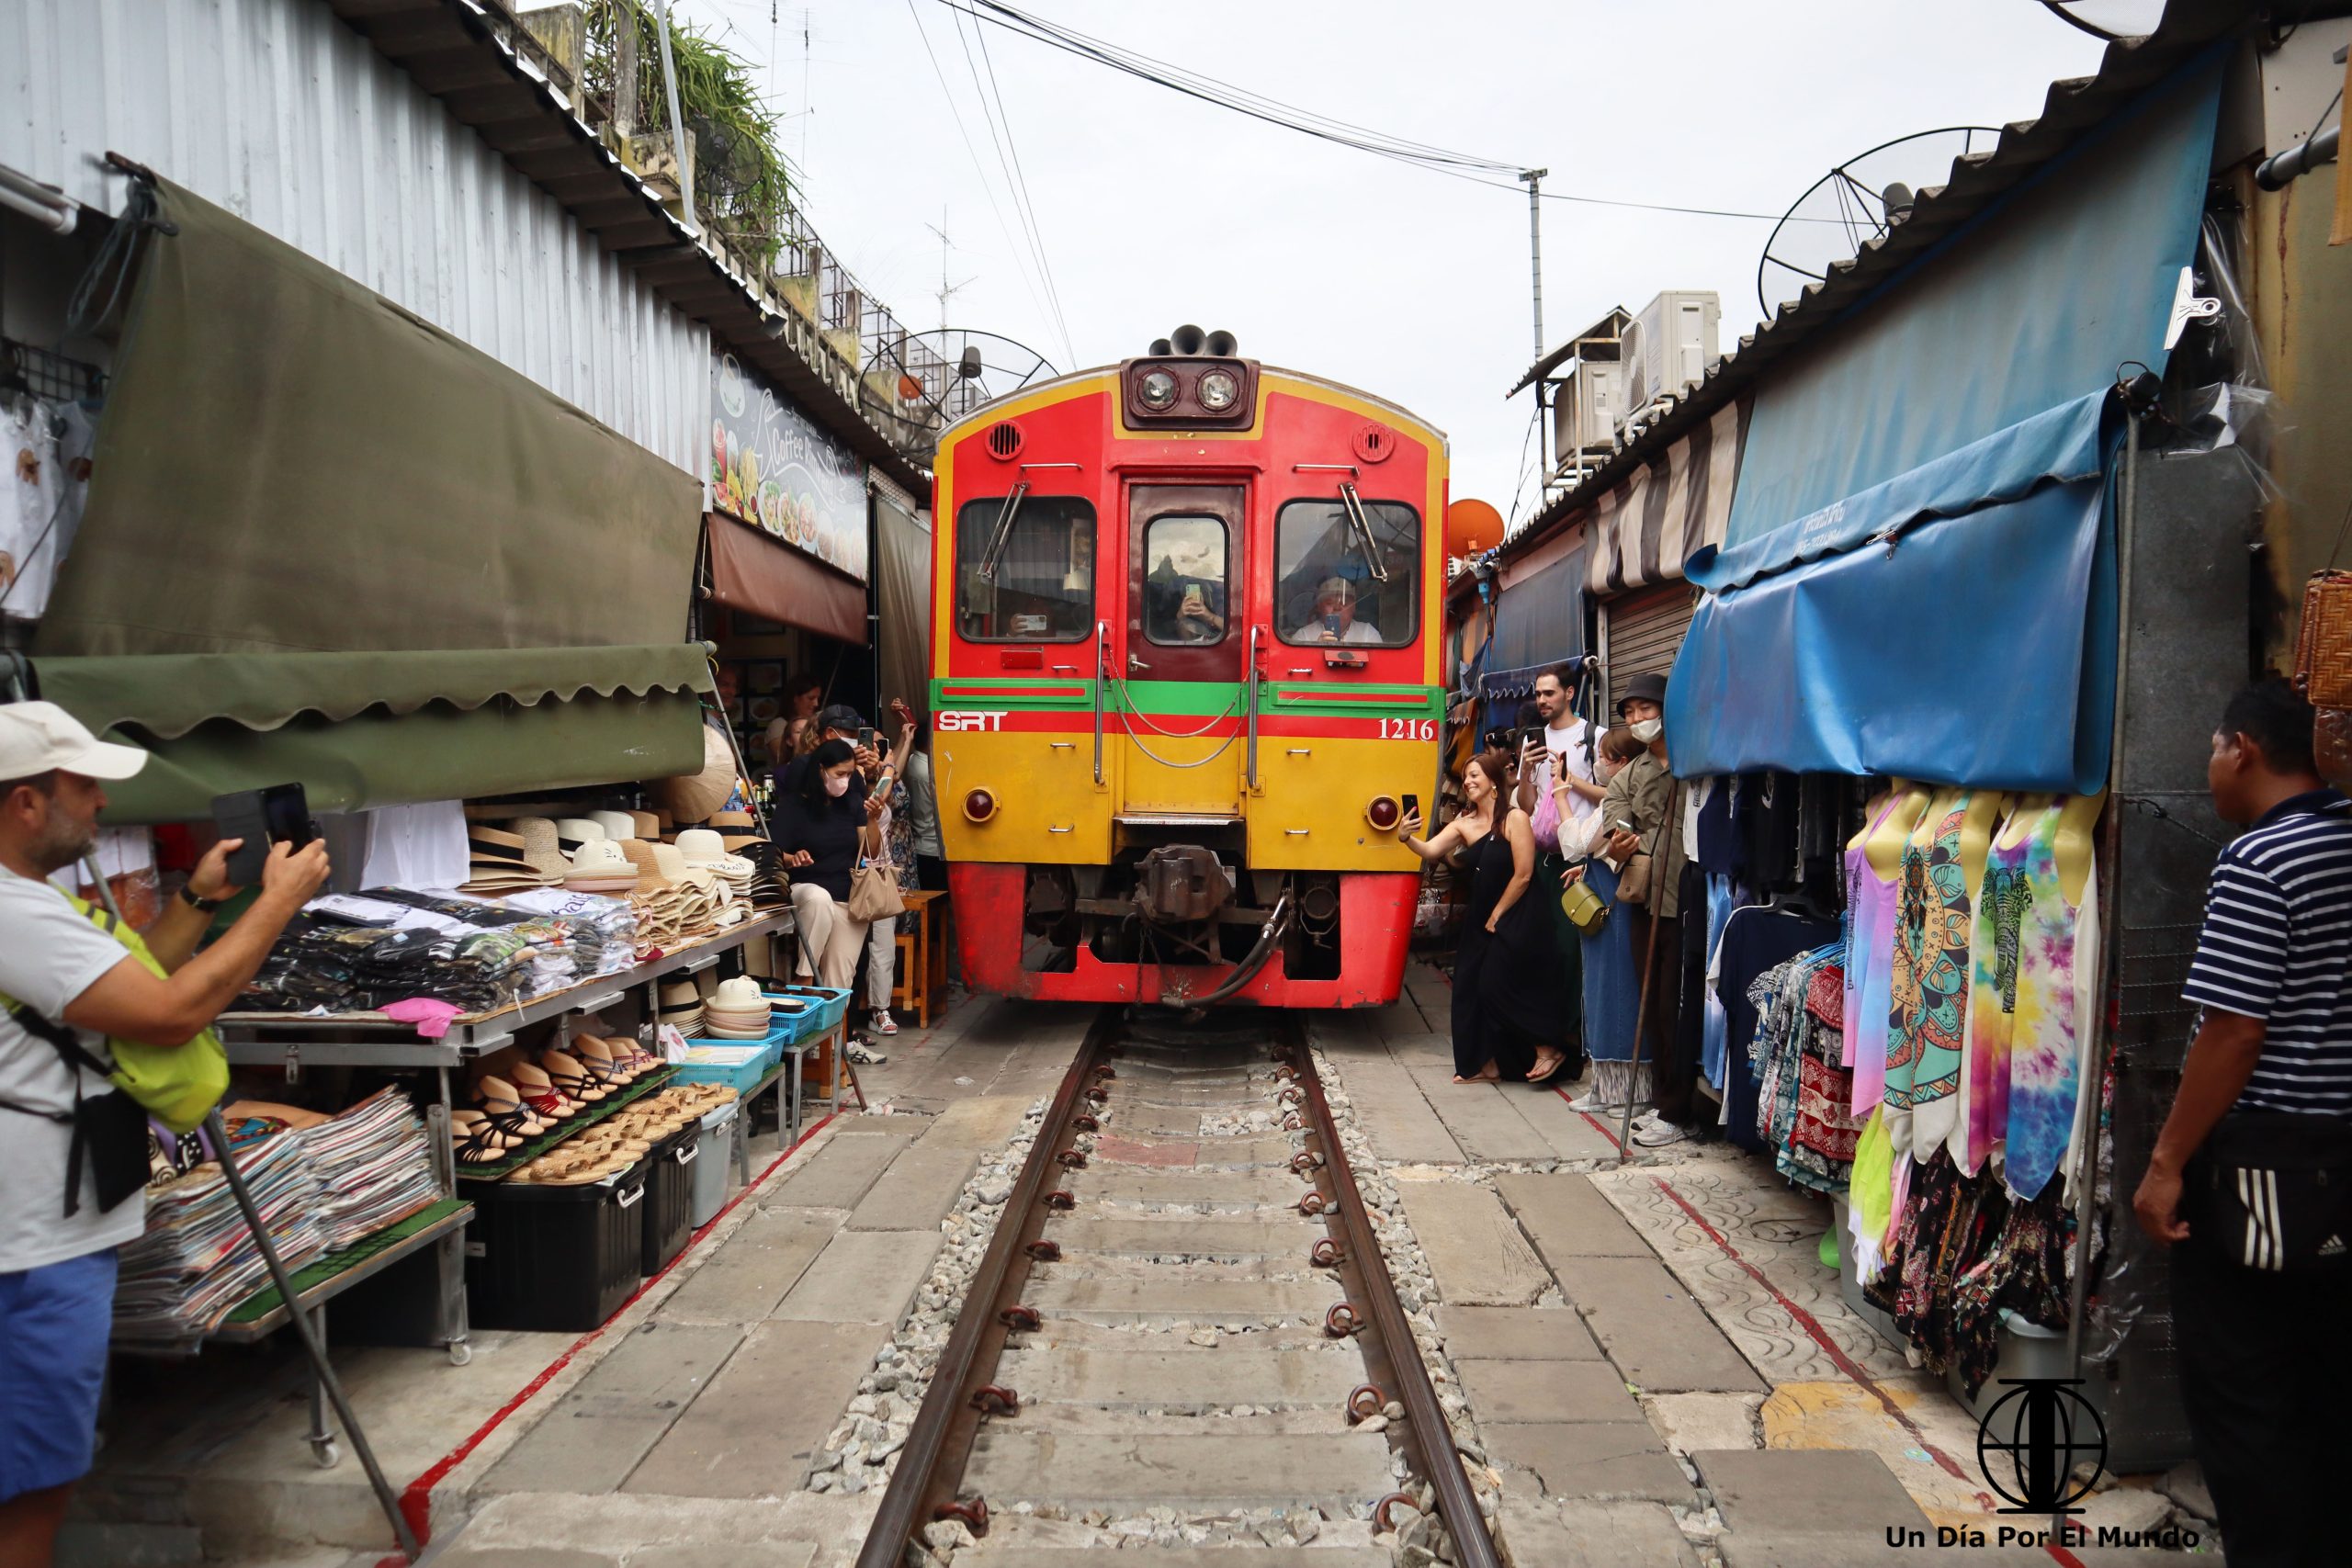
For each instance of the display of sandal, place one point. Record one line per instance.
(476, 1140)
(572, 1080)
(597, 1057)
(540, 1090)
(502, 1105)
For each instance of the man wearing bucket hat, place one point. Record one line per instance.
(1641, 816)
(72, 1147)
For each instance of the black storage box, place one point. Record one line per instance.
(561, 1260)
(669, 1196)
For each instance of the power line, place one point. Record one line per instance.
(977, 167)
(1289, 117)
(1008, 159)
(1053, 285)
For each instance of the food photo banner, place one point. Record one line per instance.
(772, 468)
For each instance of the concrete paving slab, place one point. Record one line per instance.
(1591, 1458)
(1205, 1190)
(1141, 1471)
(1569, 1218)
(1647, 1324)
(1475, 1253)
(982, 1123)
(918, 1189)
(1742, 1550)
(1482, 1118)
(768, 1554)
(1588, 1534)
(1546, 1391)
(1515, 1334)
(1098, 1236)
(1785, 1491)
(839, 1171)
(1144, 1121)
(1395, 1115)
(1184, 1380)
(1015, 1555)
(1205, 1301)
(1570, 1132)
(751, 1432)
(593, 1436)
(656, 1531)
(862, 1277)
(749, 1273)
(1690, 1421)
(463, 1556)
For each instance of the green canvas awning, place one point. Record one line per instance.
(359, 730)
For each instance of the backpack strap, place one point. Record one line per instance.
(75, 1056)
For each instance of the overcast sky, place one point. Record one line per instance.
(1155, 209)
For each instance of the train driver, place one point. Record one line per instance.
(1334, 619)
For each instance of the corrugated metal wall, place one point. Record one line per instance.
(281, 114)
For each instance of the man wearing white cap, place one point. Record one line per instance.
(68, 1144)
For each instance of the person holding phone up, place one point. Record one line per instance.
(71, 987)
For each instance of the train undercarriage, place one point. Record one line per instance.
(1184, 921)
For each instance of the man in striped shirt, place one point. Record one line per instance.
(2260, 1298)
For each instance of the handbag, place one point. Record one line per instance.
(874, 891)
(178, 1084)
(1638, 883)
(109, 1129)
(2272, 1191)
(1583, 907)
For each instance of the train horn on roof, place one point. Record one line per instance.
(1187, 339)
(1222, 343)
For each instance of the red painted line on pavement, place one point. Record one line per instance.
(1598, 1126)
(416, 1502)
(1807, 1321)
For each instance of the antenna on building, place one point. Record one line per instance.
(946, 289)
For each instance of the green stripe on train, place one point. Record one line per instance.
(1200, 699)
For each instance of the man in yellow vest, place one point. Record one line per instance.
(73, 1148)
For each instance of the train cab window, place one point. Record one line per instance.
(1326, 587)
(1183, 586)
(1043, 587)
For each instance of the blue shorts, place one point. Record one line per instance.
(53, 1326)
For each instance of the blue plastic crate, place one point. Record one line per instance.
(758, 1059)
(833, 1007)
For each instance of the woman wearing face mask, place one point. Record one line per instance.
(1612, 982)
(821, 828)
(1510, 1005)
(1642, 815)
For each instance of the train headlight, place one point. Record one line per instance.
(1384, 813)
(1157, 390)
(1217, 389)
(979, 804)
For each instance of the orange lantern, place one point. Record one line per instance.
(1472, 527)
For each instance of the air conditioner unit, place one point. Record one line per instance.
(1669, 345)
(1586, 410)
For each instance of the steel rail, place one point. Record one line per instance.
(1427, 1435)
(930, 1464)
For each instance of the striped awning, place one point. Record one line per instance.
(1642, 530)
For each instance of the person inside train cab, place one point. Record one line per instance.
(1334, 619)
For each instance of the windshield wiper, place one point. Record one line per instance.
(1002, 531)
(1353, 505)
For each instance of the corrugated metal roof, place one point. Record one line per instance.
(465, 52)
(277, 112)
(2071, 109)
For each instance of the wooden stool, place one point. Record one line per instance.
(921, 958)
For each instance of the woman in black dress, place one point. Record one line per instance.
(1510, 1007)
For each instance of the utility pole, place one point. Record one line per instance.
(1533, 179)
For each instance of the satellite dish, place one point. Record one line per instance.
(1472, 526)
(1855, 203)
(2109, 20)
(939, 377)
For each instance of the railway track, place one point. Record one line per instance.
(1184, 1330)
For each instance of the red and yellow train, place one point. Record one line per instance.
(1185, 681)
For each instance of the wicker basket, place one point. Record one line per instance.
(2323, 650)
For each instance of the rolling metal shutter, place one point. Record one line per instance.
(1642, 632)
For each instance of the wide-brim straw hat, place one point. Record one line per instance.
(573, 831)
(700, 845)
(648, 824)
(690, 798)
(641, 856)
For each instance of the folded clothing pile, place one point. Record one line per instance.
(598, 932)
(197, 1259)
(374, 1167)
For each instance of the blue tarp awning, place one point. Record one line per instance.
(1916, 579)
